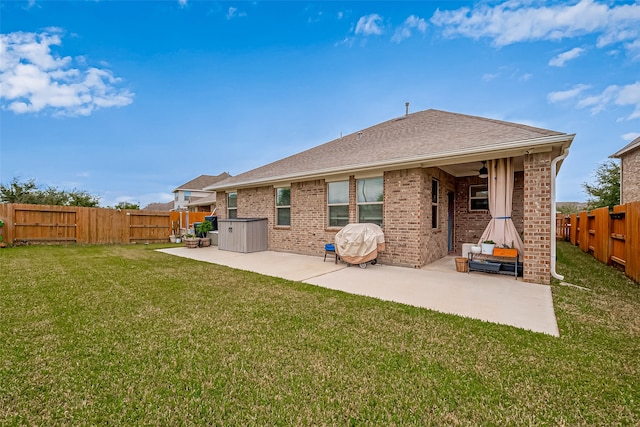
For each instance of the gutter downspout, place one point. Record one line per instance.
(563, 155)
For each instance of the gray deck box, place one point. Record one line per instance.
(243, 234)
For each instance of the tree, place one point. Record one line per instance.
(28, 192)
(606, 190)
(18, 192)
(127, 205)
(570, 207)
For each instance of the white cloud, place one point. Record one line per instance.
(487, 77)
(369, 25)
(509, 73)
(411, 23)
(628, 95)
(630, 136)
(34, 79)
(567, 94)
(518, 21)
(526, 77)
(561, 59)
(233, 12)
(634, 49)
(183, 3)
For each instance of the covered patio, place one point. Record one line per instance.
(437, 286)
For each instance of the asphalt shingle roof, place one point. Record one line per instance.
(627, 148)
(421, 134)
(203, 181)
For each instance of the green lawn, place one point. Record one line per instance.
(125, 335)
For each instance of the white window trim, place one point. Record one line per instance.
(329, 205)
(232, 209)
(436, 204)
(381, 203)
(282, 206)
(478, 198)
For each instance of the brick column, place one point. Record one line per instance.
(630, 182)
(221, 204)
(403, 217)
(537, 218)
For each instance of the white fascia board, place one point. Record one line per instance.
(509, 149)
(631, 146)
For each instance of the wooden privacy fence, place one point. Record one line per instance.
(72, 224)
(190, 217)
(611, 237)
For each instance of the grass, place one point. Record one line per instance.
(125, 335)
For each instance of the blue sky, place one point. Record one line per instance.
(128, 100)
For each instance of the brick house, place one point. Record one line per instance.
(418, 177)
(629, 171)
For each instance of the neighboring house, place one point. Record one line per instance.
(158, 207)
(190, 194)
(418, 177)
(203, 204)
(629, 171)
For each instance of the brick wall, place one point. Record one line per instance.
(470, 225)
(435, 241)
(221, 204)
(537, 218)
(630, 177)
(517, 213)
(307, 233)
(403, 217)
(410, 239)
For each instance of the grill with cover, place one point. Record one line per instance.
(359, 243)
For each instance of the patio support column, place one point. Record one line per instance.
(537, 218)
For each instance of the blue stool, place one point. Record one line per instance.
(330, 249)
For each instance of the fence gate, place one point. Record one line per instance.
(45, 224)
(148, 226)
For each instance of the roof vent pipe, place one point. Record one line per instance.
(406, 106)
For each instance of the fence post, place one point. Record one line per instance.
(601, 234)
(632, 240)
(6, 215)
(583, 236)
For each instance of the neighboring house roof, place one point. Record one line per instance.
(425, 138)
(627, 149)
(203, 201)
(159, 206)
(199, 183)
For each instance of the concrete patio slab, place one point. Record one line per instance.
(437, 286)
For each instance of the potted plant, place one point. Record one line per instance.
(487, 247)
(175, 232)
(191, 241)
(203, 229)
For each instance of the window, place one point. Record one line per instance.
(478, 197)
(370, 196)
(232, 205)
(434, 203)
(338, 202)
(283, 206)
(187, 196)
